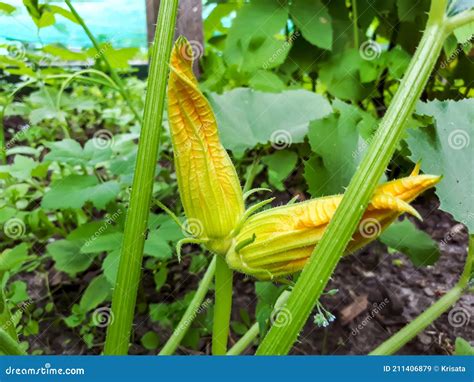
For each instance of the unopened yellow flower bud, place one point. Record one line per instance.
(208, 184)
(279, 241)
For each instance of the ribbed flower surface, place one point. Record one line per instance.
(208, 184)
(280, 240)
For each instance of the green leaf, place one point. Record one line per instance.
(348, 76)
(74, 191)
(215, 20)
(69, 151)
(339, 142)
(103, 243)
(63, 12)
(6, 8)
(267, 294)
(110, 266)
(367, 10)
(95, 294)
(238, 328)
(168, 229)
(31, 328)
(67, 257)
(408, 9)
(6, 213)
(280, 164)
(464, 36)
(314, 21)
(67, 252)
(150, 340)
(463, 347)
(21, 169)
(397, 61)
(404, 237)
(160, 313)
(266, 81)
(47, 19)
(447, 149)
(198, 262)
(250, 43)
(14, 257)
(45, 107)
(64, 53)
(247, 117)
(19, 292)
(160, 278)
(156, 246)
(118, 58)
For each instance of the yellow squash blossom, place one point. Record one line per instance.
(208, 183)
(272, 243)
(279, 241)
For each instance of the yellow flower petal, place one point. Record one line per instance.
(278, 241)
(208, 184)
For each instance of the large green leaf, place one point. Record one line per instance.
(67, 257)
(447, 148)
(74, 191)
(266, 81)
(70, 151)
(338, 142)
(314, 21)
(251, 43)
(247, 118)
(417, 245)
(67, 253)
